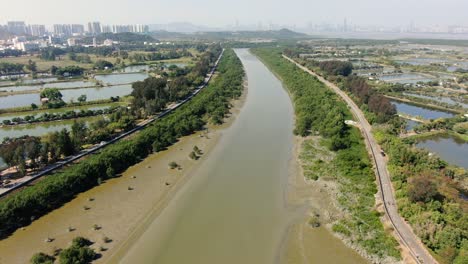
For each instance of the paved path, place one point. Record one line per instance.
(50, 168)
(404, 232)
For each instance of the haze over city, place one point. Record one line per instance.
(234, 132)
(242, 12)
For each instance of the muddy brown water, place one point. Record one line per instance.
(234, 209)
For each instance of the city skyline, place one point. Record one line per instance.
(360, 12)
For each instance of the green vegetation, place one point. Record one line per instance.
(332, 67)
(173, 165)
(11, 68)
(51, 53)
(428, 197)
(53, 97)
(78, 252)
(55, 145)
(103, 65)
(72, 105)
(427, 189)
(21, 207)
(153, 94)
(456, 124)
(377, 107)
(319, 111)
(42, 258)
(126, 37)
(67, 71)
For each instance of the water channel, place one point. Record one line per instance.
(234, 210)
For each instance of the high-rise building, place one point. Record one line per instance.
(36, 30)
(106, 29)
(130, 28)
(62, 29)
(77, 29)
(94, 28)
(140, 28)
(16, 27)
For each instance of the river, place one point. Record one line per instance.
(234, 210)
(235, 213)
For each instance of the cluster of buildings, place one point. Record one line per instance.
(58, 35)
(96, 28)
(20, 28)
(346, 27)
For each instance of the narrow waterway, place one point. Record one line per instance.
(234, 211)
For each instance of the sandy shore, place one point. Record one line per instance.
(121, 207)
(304, 244)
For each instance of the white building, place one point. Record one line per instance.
(71, 42)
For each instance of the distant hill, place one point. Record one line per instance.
(263, 34)
(449, 42)
(163, 34)
(231, 35)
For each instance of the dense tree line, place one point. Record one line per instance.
(51, 53)
(212, 104)
(56, 145)
(11, 53)
(67, 71)
(379, 106)
(366, 95)
(156, 56)
(335, 67)
(319, 111)
(11, 68)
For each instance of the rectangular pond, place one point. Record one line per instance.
(423, 112)
(404, 78)
(92, 94)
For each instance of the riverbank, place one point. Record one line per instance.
(120, 206)
(319, 200)
(304, 244)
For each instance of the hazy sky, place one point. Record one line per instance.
(218, 13)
